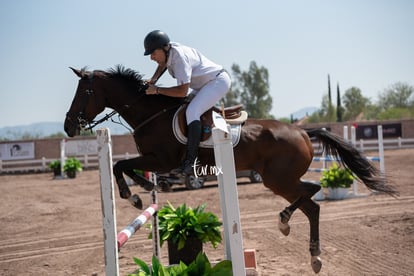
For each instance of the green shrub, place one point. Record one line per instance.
(178, 224)
(337, 177)
(200, 267)
(54, 164)
(72, 165)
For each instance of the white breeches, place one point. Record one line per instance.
(208, 96)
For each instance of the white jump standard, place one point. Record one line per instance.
(223, 152)
(112, 241)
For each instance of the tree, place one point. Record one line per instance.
(339, 108)
(398, 95)
(330, 111)
(354, 103)
(251, 88)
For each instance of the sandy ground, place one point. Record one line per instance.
(54, 227)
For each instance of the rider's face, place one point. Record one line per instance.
(159, 56)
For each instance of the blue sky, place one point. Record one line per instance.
(368, 44)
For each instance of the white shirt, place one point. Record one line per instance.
(188, 65)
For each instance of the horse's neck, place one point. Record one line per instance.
(135, 110)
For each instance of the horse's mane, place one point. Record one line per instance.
(125, 73)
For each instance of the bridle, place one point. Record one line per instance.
(79, 119)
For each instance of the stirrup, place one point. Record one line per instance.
(185, 169)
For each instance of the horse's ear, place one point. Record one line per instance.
(77, 72)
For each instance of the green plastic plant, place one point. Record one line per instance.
(178, 224)
(201, 266)
(72, 165)
(54, 164)
(337, 177)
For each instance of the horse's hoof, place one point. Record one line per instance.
(135, 201)
(284, 228)
(164, 186)
(316, 263)
(148, 186)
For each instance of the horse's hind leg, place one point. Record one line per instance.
(311, 210)
(308, 190)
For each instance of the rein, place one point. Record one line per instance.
(159, 113)
(93, 124)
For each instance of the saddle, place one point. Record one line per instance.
(234, 115)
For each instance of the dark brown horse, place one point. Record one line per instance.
(280, 152)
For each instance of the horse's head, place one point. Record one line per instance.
(87, 103)
(119, 88)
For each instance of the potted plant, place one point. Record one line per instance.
(186, 229)
(71, 166)
(337, 180)
(200, 266)
(56, 168)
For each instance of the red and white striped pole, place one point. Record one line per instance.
(136, 224)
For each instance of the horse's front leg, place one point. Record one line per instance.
(127, 167)
(140, 180)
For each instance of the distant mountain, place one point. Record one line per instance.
(44, 129)
(306, 111)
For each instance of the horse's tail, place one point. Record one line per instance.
(352, 159)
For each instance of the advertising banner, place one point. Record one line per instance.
(17, 151)
(81, 147)
(370, 131)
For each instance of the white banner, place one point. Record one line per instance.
(81, 147)
(17, 151)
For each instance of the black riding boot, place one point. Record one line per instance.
(194, 136)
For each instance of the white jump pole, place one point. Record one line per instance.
(346, 133)
(108, 201)
(62, 157)
(381, 149)
(353, 142)
(223, 152)
(155, 231)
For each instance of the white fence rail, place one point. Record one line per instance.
(91, 161)
(42, 165)
(372, 145)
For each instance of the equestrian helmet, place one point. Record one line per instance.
(155, 40)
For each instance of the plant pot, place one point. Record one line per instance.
(56, 171)
(319, 196)
(71, 174)
(337, 193)
(187, 254)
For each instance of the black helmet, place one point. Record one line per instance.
(155, 40)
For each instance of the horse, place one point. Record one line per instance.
(280, 152)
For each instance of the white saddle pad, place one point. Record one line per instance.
(234, 128)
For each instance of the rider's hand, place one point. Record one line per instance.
(150, 81)
(151, 90)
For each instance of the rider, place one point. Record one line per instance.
(205, 80)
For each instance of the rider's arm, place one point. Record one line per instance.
(173, 91)
(158, 73)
